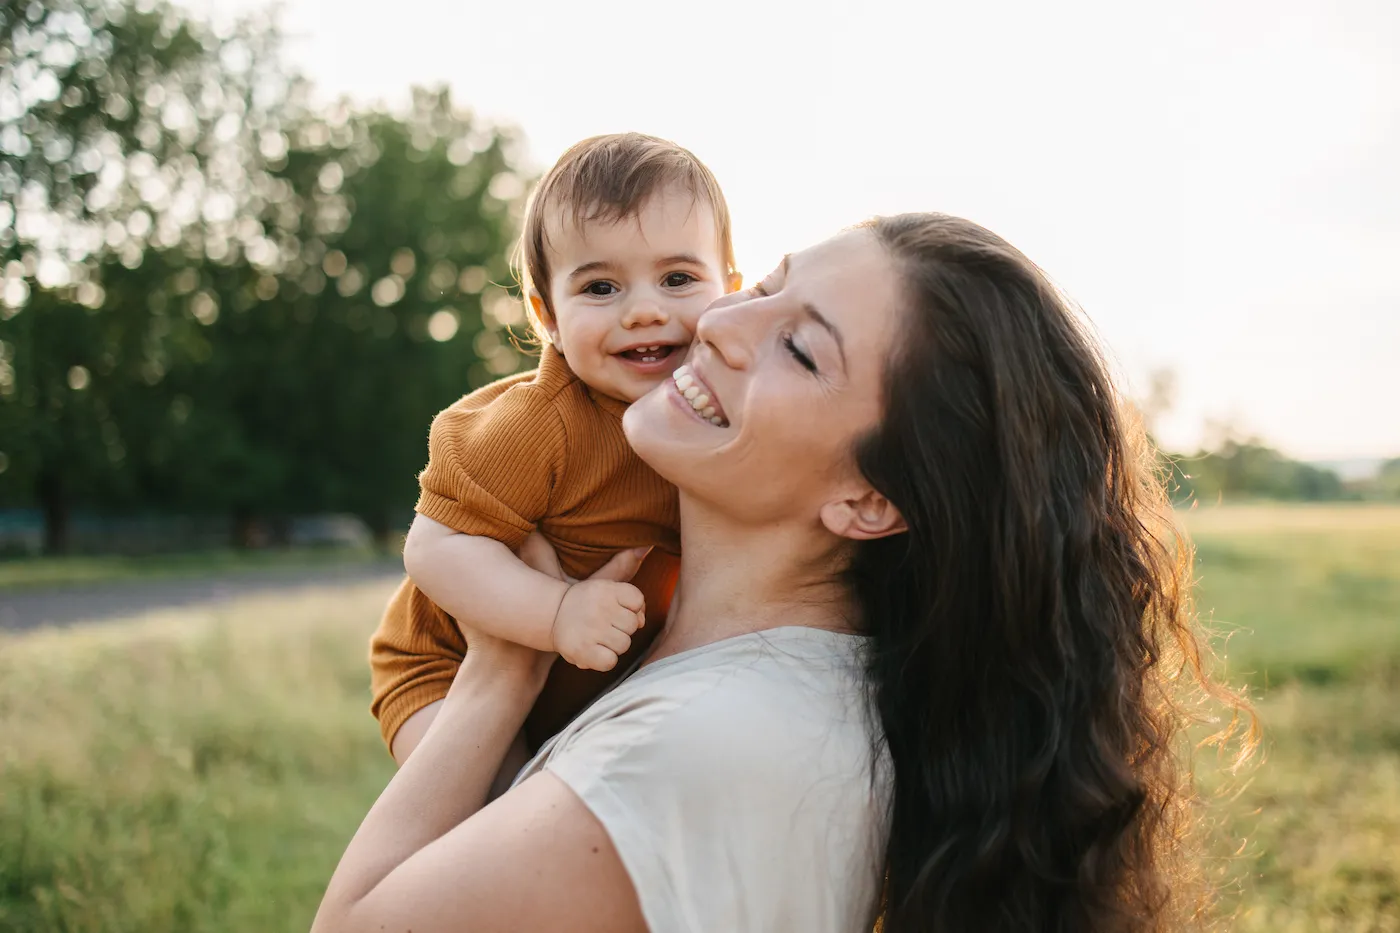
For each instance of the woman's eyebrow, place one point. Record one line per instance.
(811, 311)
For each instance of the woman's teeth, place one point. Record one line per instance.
(690, 391)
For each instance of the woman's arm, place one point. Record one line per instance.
(430, 858)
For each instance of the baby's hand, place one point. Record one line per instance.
(595, 623)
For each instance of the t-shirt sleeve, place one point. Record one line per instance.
(626, 772)
(705, 803)
(492, 467)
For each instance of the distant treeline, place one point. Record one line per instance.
(1248, 469)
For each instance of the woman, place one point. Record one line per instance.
(919, 657)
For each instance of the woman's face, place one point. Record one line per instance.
(781, 382)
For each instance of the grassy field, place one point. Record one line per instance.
(180, 774)
(1307, 600)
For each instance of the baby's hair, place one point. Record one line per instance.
(610, 178)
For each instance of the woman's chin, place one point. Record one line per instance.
(658, 432)
(640, 422)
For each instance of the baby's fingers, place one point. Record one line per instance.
(598, 658)
(629, 597)
(616, 641)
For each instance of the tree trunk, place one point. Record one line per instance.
(378, 524)
(279, 531)
(53, 501)
(244, 528)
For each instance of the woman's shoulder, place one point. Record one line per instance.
(787, 699)
(744, 786)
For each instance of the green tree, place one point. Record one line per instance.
(381, 310)
(218, 296)
(1247, 468)
(132, 142)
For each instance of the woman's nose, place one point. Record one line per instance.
(644, 311)
(729, 327)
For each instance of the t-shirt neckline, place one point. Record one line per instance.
(783, 632)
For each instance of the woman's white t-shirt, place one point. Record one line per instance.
(744, 784)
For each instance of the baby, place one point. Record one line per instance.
(626, 241)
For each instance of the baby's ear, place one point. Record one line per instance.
(540, 311)
(733, 283)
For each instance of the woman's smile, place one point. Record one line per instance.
(695, 395)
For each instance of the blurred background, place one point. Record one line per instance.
(247, 252)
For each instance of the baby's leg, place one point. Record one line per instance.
(516, 759)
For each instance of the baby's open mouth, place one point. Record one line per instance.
(652, 354)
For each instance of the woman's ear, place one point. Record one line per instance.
(541, 313)
(864, 518)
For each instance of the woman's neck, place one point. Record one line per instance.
(737, 578)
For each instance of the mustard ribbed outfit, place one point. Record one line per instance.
(537, 450)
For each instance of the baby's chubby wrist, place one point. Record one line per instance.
(594, 624)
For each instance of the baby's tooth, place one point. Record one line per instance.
(691, 392)
(700, 401)
(709, 412)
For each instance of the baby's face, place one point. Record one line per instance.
(626, 295)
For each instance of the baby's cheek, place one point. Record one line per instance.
(693, 309)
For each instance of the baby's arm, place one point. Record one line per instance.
(484, 585)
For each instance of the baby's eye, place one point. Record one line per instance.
(601, 289)
(678, 279)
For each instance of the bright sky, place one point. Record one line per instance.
(1215, 182)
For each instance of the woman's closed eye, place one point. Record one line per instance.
(805, 361)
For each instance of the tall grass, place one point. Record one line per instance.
(1307, 601)
(192, 772)
(202, 771)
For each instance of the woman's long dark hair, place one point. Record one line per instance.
(1029, 628)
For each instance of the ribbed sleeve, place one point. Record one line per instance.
(413, 656)
(491, 468)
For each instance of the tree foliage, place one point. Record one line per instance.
(1248, 469)
(218, 295)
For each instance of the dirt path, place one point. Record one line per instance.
(22, 609)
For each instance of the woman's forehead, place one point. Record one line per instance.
(851, 279)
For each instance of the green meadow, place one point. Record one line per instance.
(202, 770)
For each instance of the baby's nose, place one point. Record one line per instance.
(644, 311)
